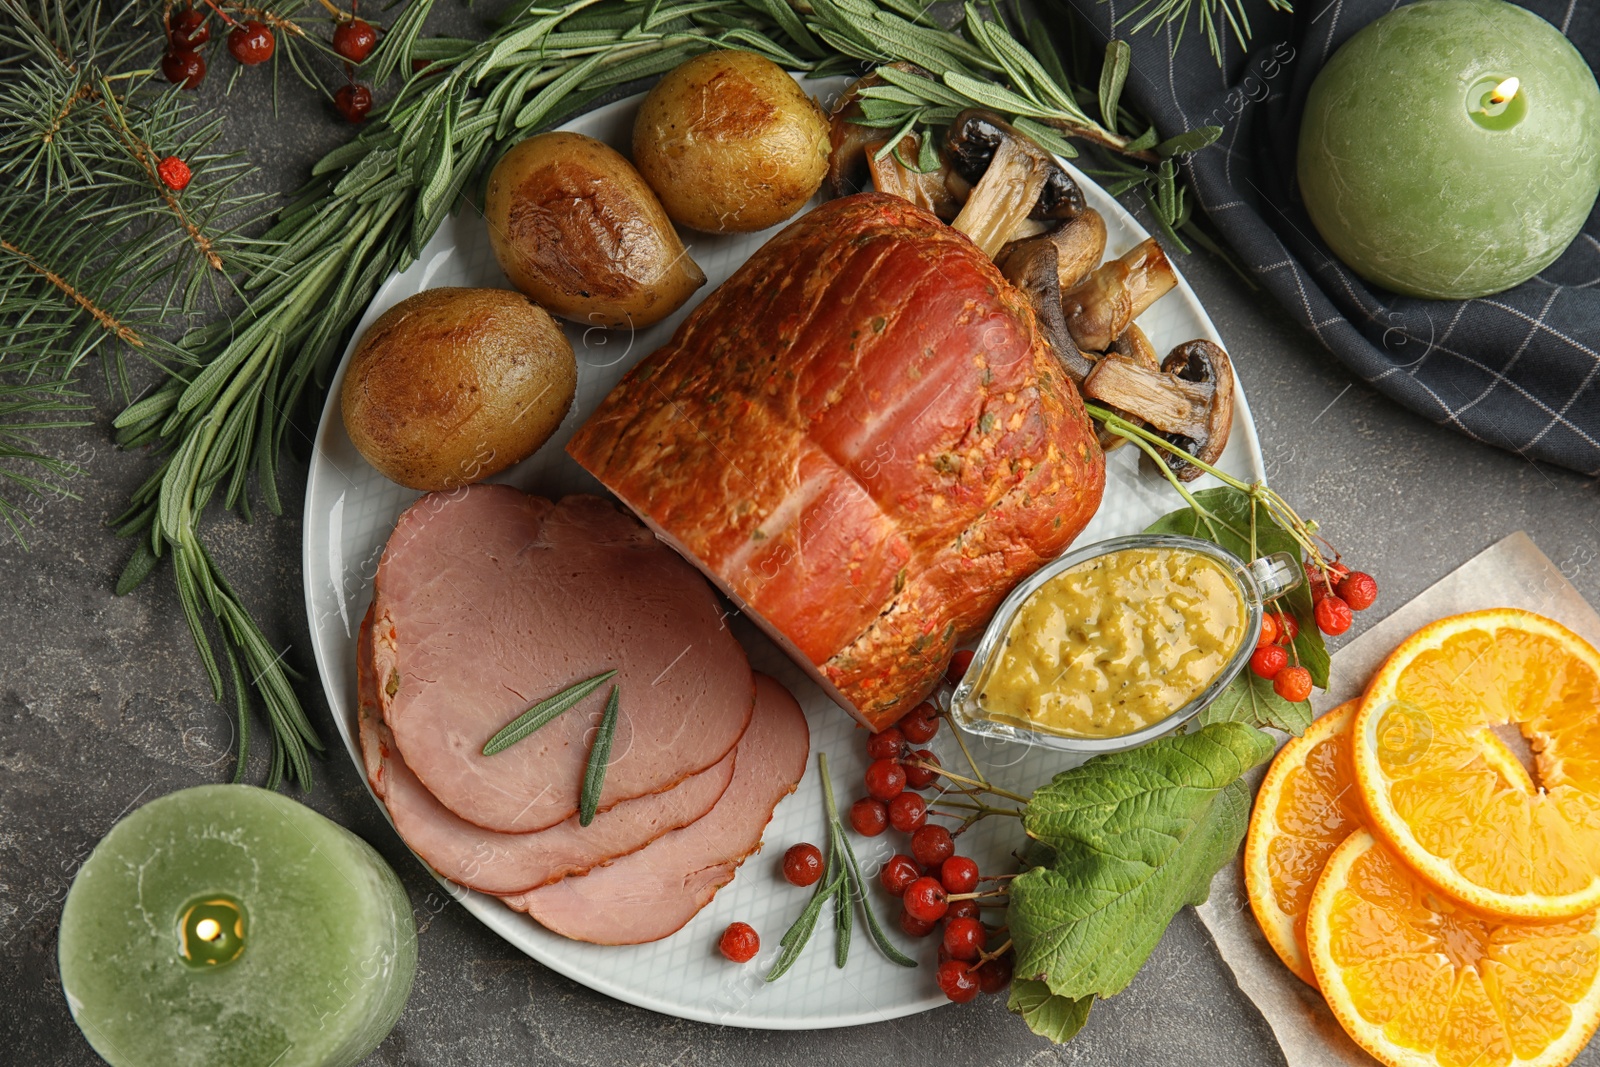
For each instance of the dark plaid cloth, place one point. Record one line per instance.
(1520, 370)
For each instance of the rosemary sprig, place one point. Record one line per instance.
(594, 772)
(542, 712)
(1214, 15)
(842, 883)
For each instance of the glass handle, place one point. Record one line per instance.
(1276, 574)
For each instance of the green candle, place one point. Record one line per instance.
(1451, 148)
(228, 926)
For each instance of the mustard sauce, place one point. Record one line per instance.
(1115, 644)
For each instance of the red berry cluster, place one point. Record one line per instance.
(252, 42)
(933, 883)
(1336, 592)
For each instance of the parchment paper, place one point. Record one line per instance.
(1512, 573)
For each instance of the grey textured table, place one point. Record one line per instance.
(104, 705)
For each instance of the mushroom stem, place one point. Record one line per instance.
(1101, 306)
(1001, 199)
(1166, 402)
(1032, 266)
(924, 190)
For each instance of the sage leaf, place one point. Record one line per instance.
(1049, 1016)
(543, 712)
(594, 772)
(1137, 835)
(1119, 57)
(1229, 526)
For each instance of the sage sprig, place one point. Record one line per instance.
(594, 772)
(542, 712)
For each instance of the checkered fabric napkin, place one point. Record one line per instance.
(1520, 369)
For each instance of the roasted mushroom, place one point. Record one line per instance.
(1135, 345)
(1033, 267)
(1101, 306)
(1080, 243)
(926, 190)
(1188, 400)
(848, 139)
(1013, 180)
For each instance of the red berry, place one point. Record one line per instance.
(1288, 628)
(251, 43)
(1268, 661)
(886, 779)
(932, 845)
(925, 899)
(994, 975)
(740, 942)
(963, 909)
(188, 29)
(1293, 684)
(174, 173)
(184, 67)
(915, 926)
(959, 664)
(352, 102)
(886, 744)
(958, 874)
(1269, 631)
(1359, 590)
(908, 813)
(957, 981)
(802, 864)
(354, 40)
(869, 817)
(921, 724)
(1333, 616)
(963, 938)
(921, 777)
(1323, 582)
(899, 872)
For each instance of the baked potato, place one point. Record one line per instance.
(730, 143)
(452, 385)
(576, 228)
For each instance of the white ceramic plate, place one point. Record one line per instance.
(350, 510)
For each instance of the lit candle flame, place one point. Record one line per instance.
(207, 929)
(1504, 91)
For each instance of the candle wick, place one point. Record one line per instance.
(1504, 91)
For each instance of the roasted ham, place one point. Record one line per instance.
(864, 439)
(488, 600)
(649, 894)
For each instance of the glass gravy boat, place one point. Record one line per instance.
(1256, 582)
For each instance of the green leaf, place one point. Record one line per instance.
(543, 712)
(1138, 835)
(1192, 141)
(1143, 142)
(1229, 526)
(1047, 137)
(1251, 700)
(594, 772)
(1112, 77)
(1057, 1018)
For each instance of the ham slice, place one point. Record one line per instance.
(864, 438)
(488, 600)
(510, 863)
(653, 892)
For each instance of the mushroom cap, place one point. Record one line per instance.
(975, 136)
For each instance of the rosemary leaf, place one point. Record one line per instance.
(794, 940)
(542, 712)
(594, 772)
(1119, 56)
(852, 869)
(1191, 141)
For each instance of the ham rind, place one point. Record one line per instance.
(512, 863)
(652, 893)
(488, 600)
(864, 439)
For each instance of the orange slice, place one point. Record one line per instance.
(1420, 981)
(1527, 848)
(1306, 806)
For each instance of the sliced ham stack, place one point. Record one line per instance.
(488, 600)
(862, 436)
